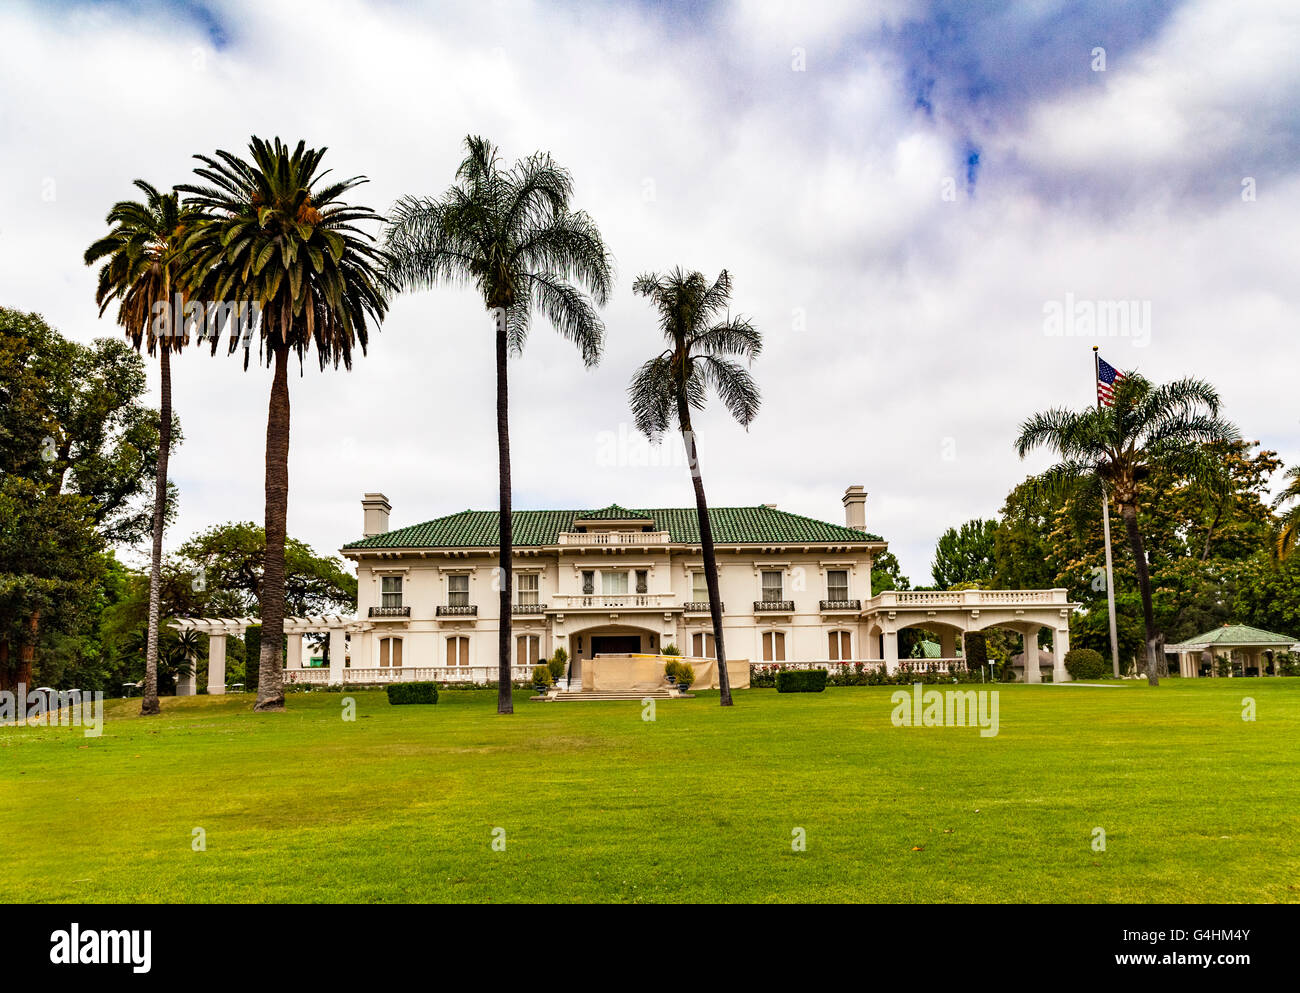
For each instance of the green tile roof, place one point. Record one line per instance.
(1235, 634)
(731, 525)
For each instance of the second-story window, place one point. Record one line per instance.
(772, 588)
(837, 584)
(458, 590)
(390, 591)
(613, 583)
(643, 581)
(699, 587)
(526, 583)
(588, 581)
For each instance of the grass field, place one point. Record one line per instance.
(700, 805)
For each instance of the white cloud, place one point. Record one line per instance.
(922, 319)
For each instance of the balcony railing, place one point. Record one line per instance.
(700, 607)
(774, 606)
(599, 601)
(970, 598)
(458, 610)
(613, 538)
(841, 605)
(390, 611)
(528, 608)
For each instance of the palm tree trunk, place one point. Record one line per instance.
(270, 689)
(1129, 513)
(149, 703)
(706, 545)
(505, 547)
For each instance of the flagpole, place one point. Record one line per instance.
(1105, 524)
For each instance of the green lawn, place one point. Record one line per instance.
(599, 805)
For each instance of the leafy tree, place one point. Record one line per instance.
(142, 258)
(228, 563)
(1289, 522)
(1118, 448)
(887, 574)
(275, 236)
(511, 235)
(72, 420)
(704, 343)
(965, 554)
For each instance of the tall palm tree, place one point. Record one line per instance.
(703, 343)
(277, 238)
(141, 256)
(510, 234)
(1289, 525)
(1114, 449)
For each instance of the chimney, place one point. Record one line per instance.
(376, 507)
(770, 506)
(855, 508)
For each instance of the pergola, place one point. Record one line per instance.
(218, 629)
(1252, 643)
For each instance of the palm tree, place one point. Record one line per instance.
(702, 339)
(1114, 449)
(277, 239)
(142, 258)
(1289, 524)
(511, 235)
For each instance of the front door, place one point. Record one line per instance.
(615, 644)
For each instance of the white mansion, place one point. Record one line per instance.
(619, 580)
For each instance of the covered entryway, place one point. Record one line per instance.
(615, 644)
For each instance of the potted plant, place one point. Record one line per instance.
(671, 668)
(685, 676)
(558, 664)
(541, 678)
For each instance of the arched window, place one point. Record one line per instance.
(841, 646)
(457, 651)
(773, 646)
(528, 649)
(390, 652)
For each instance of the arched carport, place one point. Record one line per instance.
(952, 614)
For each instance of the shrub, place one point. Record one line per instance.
(801, 680)
(542, 675)
(685, 675)
(1086, 663)
(671, 650)
(399, 693)
(672, 668)
(558, 664)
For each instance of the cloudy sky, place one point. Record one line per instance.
(907, 194)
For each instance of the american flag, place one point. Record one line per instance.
(1108, 378)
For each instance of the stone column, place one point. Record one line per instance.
(293, 654)
(338, 652)
(1030, 635)
(891, 651)
(186, 683)
(1060, 645)
(216, 664)
(948, 643)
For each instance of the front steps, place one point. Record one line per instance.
(577, 695)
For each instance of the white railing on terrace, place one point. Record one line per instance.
(408, 674)
(613, 537)
(968, 598)
(574, 601)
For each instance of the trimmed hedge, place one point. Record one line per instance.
(1086, 663)
(801, 680)
(412, 693)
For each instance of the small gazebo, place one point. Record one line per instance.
(1251, 647)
